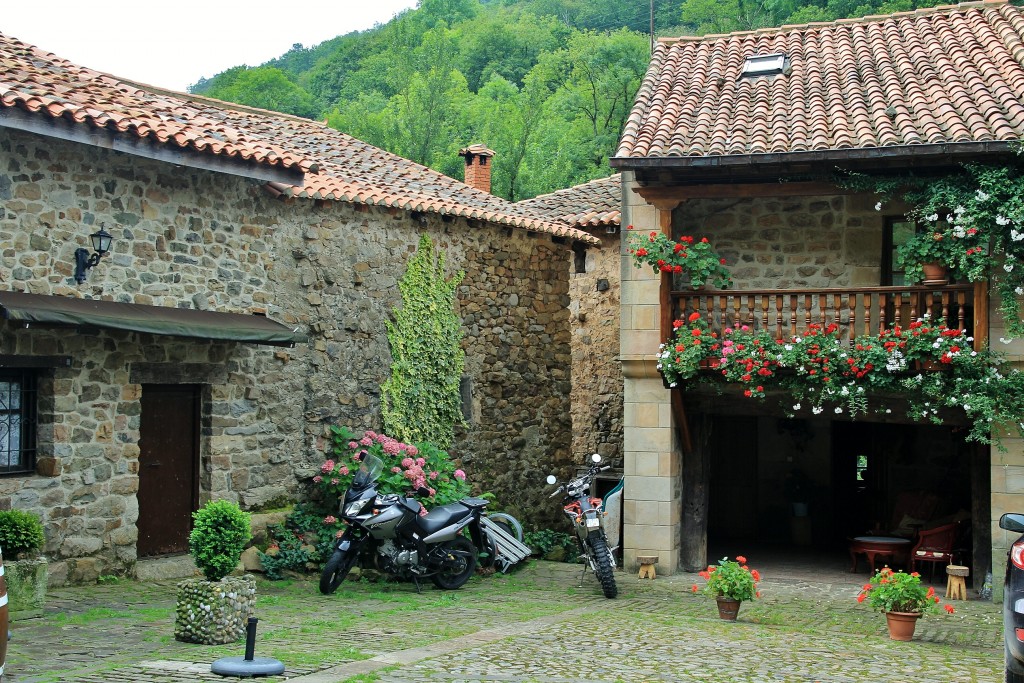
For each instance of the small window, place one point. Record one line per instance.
(17, 421)
(765, 65)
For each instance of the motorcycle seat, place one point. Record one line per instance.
(474, 503)
(440, 517)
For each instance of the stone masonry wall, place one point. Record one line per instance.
(830, 241)
(196, 239)
(597, 374)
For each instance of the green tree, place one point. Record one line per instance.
(421, 401)
(265, 87)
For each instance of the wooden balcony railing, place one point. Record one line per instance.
(857, 310)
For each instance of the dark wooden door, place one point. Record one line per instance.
(168, 467)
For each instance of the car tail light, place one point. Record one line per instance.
(1020, 634)
(1017, 554)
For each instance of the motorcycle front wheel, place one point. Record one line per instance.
(458, 566)
(336, 570)
(603, 564)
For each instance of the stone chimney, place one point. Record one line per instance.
(478, 166)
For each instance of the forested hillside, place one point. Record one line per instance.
(547, 84)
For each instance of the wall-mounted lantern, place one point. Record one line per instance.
(101, 240)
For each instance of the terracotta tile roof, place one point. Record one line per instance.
(41, 83)
(592, 204)
(336, 166)
(933, 76)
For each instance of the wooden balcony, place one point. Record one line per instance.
(857, 310)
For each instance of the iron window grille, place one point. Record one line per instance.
(18, 417)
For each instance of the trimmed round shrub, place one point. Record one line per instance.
(20, 532)
(219, 536)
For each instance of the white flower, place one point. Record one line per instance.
(966, 407)
(788, 347)
(1002, 220)
(934, 217)
(839, 410)
(1005, 340)
(878, 206)
(796, 406)
(817, 410)
(888, 411)
(981, 196)
(959, 210)
(959, 231)
(1007, 267)
(1016, 236)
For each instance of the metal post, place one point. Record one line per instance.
(250, 639)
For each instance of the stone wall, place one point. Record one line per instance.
(195, 239)
(597, 374)
(830, 241)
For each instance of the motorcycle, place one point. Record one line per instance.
(389, 533)
(584, 511)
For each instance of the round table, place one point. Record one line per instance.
(873, 546)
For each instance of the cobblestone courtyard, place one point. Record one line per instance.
(537, 624)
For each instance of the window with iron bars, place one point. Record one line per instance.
(17, 421)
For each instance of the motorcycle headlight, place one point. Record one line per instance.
(354, 508)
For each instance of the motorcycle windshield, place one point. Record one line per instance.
(369, 469)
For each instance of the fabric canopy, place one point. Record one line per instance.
(162, 320)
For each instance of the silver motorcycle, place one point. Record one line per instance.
(587, 517)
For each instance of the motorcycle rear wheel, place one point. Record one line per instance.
(336, 570)
(603, 564)
(460, 565)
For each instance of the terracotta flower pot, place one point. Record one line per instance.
(728, 608)
(935, 273)
(902, 624)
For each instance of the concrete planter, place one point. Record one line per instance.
(214, 612)
(26, 586)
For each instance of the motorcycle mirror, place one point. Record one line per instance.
(595, 457)
(551, 479)
(423, 491)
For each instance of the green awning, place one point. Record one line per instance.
(162, 320)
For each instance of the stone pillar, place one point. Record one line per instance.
(652, 505)
(1007, 467)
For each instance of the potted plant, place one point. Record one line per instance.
(730, 582)
(902, 598)
(692, 344)
(21, 540)
(216, 609)
(690, 257)
(930, 255)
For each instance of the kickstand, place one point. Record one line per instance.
(416, 582)
(584, 574)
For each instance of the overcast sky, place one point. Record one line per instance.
(174, 44)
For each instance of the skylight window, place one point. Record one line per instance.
(765, 65)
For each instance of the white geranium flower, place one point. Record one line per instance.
(796, 406)
(982, 196)
(1002, 220)
(934, 217)
(878, 206)
(817, 410)
(839, 410)
(1008, 267)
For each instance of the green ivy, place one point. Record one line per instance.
(420, 401)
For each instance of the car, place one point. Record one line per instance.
(1013, 599)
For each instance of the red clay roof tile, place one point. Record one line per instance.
(589, 205)
(336, 166)
(936, 75)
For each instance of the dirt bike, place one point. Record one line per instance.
(391, 533)
(584, 511)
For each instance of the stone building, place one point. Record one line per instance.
(240, 310)
(737, 138)
(594, 286)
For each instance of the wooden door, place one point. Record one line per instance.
(168, 467)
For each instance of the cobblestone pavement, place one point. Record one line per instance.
(537, 624)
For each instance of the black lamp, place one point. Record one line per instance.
(101, 240)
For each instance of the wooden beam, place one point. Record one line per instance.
(170, 153)
(660, 194)
(9, 361)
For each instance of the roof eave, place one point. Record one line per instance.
(60, 128)
(774, 160)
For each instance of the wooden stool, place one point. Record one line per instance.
(956, 589)
(647, 563)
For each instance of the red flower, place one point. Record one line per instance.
(756, 574)
(860, 598)
(741, 559)
(641, 252)
(949, 609)
(694, 316)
